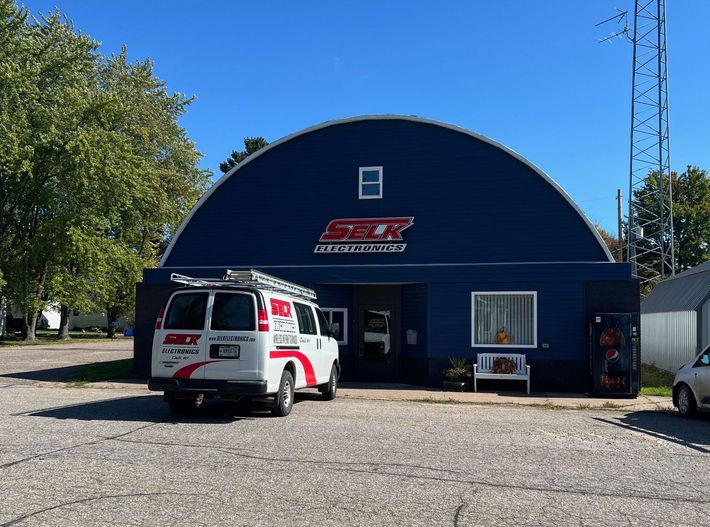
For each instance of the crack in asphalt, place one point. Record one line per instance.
(86, 443)
(24, 517)
(350, 467)
(245, 453)
(464, 497)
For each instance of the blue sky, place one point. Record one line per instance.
(530, 75)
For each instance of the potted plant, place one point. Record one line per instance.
(457, 375)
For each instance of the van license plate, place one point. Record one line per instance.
(231, 352)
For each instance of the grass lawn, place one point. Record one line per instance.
(48, 336)
(105, 371)
(655, 381)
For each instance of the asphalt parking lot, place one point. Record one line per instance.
(87, 456)
(113, 454)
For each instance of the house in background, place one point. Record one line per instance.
(675, 319)
(10, 320)
(79, 321)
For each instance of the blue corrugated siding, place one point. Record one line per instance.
(415, 311)
(483, 221)
(560, 319)
(472, 202)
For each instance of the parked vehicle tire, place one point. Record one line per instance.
(330, 389)
(284, 397)
(686, 401)
(185, 406)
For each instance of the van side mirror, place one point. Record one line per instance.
(334, 329)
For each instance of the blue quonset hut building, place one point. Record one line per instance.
(444, 241)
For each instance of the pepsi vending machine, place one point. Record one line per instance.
(614, 349)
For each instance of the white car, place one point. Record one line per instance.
(691, 386)
(248, 335)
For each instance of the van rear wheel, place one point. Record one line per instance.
(284, 396)
(330, 389)
(184, 406)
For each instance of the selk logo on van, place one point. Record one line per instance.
(181, 339)
(381, 235)
(281, 308)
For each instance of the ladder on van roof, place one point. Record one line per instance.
(251, 277)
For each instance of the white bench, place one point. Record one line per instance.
(483, 368)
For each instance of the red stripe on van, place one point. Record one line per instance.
(186, 371)
(307, 366)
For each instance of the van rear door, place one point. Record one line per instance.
(233, 338)
(179, 345)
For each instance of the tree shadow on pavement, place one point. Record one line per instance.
(51, 374)
(668, 426)
(65, 374)
(152, 409)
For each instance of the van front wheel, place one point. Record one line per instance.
(329, 389)
(284, 397)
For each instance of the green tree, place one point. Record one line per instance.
(95, 171)
(45, 86)
(163, 188)
(691, 217)
(251, 145)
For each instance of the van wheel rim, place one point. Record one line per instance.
(286, 394)
(333, 382)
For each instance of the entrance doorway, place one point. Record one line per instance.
(377, 332)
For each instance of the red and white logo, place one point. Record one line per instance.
(612, 355)
(345, 235)
(281, 308)
(181, 339)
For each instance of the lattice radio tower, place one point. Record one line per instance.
(650, 222)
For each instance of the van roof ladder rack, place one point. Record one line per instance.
(251, 277)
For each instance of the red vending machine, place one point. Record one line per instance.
(614, 348)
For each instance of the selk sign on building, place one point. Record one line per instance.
(364, 235)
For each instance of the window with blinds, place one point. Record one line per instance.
(506, 319)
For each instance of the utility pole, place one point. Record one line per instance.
(620, 232)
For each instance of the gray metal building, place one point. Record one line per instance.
(675, 319)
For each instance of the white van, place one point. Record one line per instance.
(248, 335)
(377, 340)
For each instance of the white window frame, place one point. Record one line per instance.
(344, 310)
(502, 346)
(379, 182)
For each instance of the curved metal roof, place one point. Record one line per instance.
(415, 119)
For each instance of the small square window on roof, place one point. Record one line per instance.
(370, 183)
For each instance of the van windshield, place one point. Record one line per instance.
(187, 311)
(375, 322)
